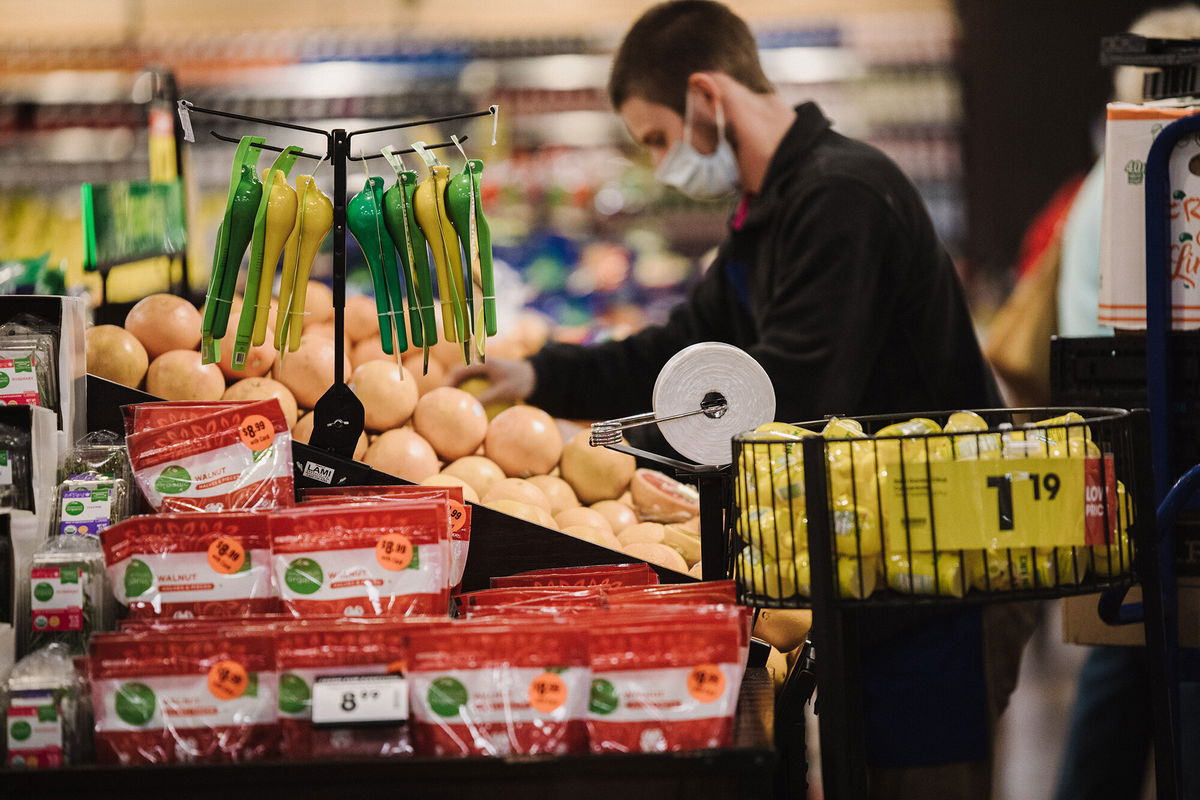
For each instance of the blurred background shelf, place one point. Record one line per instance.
(574, 207)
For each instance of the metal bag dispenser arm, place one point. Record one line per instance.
(703, 396)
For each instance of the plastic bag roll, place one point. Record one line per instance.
(691, 375)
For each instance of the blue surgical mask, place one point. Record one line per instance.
(699, 176)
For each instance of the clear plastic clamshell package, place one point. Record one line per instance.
(101, 454)
(68, 593)
(87, 507)
(50, 330)
(16, 468)
(45, 724)
(28, 371)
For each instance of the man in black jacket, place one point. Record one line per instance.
(833, 278)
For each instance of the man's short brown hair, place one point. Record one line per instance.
(674, 40)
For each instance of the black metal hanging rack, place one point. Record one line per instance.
(335, 434)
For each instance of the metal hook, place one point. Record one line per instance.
(264, 146)
(607, 433)
(438, 146)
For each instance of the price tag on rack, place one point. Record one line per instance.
(348, 700)
(1008, 503)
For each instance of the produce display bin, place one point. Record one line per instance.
(743, 771)
(500, 544)
(1029, 504)
(993, 506)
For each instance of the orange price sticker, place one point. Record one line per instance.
(547, 692)
(394, 551)
(226, 555)
(257, 432)
(458, 516)
(706, 683)
(227, 680)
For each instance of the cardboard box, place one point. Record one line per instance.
(1082, 625)
(1130, 132)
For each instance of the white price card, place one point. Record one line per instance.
(346, 700)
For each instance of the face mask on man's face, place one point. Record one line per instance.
(699, 176)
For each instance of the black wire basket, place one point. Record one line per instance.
(944, 507)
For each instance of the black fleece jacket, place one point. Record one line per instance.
(835, 282)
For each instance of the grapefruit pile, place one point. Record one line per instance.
(513, 459)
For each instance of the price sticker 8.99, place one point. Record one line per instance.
(1010, 503)
(257, 432)
(348, 700)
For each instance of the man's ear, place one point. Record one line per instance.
(707, 88)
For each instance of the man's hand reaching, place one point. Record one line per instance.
(509, 380)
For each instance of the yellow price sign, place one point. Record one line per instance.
(971, 505)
